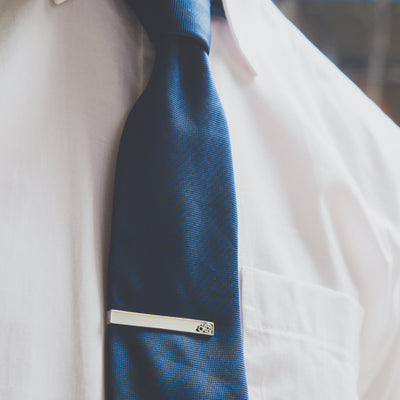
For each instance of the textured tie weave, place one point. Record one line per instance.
(174, 232)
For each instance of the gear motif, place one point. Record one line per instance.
(206, 328)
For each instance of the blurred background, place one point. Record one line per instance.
(361, 37)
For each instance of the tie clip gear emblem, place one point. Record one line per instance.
(187, 325)
(206, 328)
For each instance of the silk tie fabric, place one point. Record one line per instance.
(174, 231)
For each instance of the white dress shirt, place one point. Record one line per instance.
(317, 172)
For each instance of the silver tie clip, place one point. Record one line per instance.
(160, 322)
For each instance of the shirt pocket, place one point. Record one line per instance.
(301, 340)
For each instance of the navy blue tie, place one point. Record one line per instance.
(174, 231)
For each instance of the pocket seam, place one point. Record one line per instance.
(321, 316)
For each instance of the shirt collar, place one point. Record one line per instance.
(245, 19)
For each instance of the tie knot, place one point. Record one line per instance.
(190, 18)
